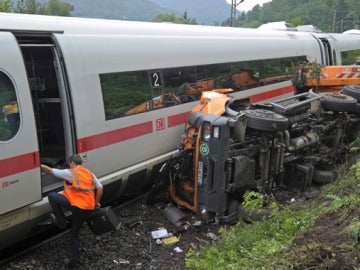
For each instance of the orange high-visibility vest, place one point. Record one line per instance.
(11, 109)
(81, 192)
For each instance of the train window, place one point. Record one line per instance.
(9, 119)
(350, 57)
(125, 93)
(130, 93)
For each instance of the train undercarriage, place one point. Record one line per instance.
(230, 147)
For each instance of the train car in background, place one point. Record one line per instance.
(118, 93)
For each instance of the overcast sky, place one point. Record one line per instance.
(248, 4)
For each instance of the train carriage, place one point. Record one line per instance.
(118, 93)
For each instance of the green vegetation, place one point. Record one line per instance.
(171, 17)
(52, 7)
(5, 6)
(328, 15)
(269, 243)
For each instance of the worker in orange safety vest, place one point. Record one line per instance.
(11, 116)
(81, 195)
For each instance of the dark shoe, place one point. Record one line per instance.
(54, 220)
(71, 263)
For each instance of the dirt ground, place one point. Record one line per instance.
(328, 245)
(325, 246)
(130, 247)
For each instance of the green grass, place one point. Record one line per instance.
(268, 244)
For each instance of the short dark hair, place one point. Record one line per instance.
(76, 159)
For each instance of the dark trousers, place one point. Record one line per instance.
(14, 122)
(58, 202)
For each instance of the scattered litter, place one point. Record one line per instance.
(158, 241)
(159, 234)
(122, 261)
(178, 250)
(197, 223)
(170, 240)
(186, 226)
(211, 235)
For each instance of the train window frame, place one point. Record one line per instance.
(10, 119)
(350, 57)
(163, 87)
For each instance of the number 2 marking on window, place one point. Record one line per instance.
(156, 79)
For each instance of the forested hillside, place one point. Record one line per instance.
(204, 11)
(328, 15)
(133, 10)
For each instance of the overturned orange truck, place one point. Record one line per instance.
(230, 147)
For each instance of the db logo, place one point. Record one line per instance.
(160, 124)
(5, 184)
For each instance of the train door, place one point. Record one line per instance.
(20, 181)
(329, 53)
(50, 101)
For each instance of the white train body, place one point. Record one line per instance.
(63, 72)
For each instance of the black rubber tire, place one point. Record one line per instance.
(266, 120)
(352, 91)
(338, 102)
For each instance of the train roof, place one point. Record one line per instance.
(73, 25)
(23, 23)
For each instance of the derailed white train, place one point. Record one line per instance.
(118, 93)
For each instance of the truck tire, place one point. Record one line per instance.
(352, 91)
(266, 120)
(338, 102)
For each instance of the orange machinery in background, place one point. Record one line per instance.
(325, 79)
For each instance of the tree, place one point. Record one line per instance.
(296, 21)
(28, 7)
(5, 6)
(52, 7)
(328, 15)
(171, 17)
(56, 7)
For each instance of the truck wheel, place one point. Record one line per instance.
(352, 91)
(266, 120)
(338, 102)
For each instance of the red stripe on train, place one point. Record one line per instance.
(178, 119)
(114, 136)
(271, 94)
(19, 164)
(30, 161)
